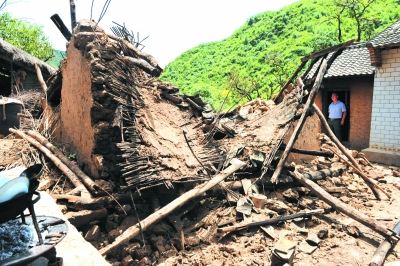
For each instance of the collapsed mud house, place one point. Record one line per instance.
(134, 126)
(132, 133)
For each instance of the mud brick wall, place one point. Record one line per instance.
(86, 113)
(307, 139)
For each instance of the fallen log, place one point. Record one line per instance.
(40, 78)
(82, 203)
(81, 218)
(90, 184)
(134, 51)
(133, 231)
(285, 183)
(71, 176)
(367, 180)
(143, 65)
(343, 149)
(307, 152)
(344, 208)
(266, 222)
(300, 123)
(380, 254)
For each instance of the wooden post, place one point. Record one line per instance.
(71, 176)
(343, 149)
(134, 230)
(90, 184)
(61, 26)
(73, 14)
(380, 254)
(300, 123)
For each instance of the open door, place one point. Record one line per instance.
(344, 96)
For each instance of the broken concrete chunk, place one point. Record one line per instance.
(128, 260)
(290, 194)
(306, 247)
(284, 245)
(375, 174)
(352, 188)
(280, 258)
(244, 205)
(313, 239)
(246, 183)
(270, 231)
(93, 235)
(322, 234)
(353, 231)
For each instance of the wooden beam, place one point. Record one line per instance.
(373, 186)
(328, 50)
(134, 230)
(300, 123)
(344, 208)
(380, 254)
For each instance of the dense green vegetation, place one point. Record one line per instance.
(26, 36)
(261, 55)
(58, 56)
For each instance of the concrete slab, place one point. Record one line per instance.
(74, 249)
(382, 156)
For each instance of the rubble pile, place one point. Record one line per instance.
(191, 235)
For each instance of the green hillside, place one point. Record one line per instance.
(262, 54)
(58, 56)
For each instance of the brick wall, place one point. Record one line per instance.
(385, 124)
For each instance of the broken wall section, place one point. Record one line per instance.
(114, 116)
(86, 112)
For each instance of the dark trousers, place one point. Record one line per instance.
(336, 127)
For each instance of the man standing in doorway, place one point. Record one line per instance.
(337, 115)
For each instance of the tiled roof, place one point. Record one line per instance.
(353, 61)
(388, 37)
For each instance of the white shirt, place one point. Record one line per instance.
(336, 110)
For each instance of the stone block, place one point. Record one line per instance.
(93, 235)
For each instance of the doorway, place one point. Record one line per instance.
(344, 96)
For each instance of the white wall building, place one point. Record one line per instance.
(384, 144)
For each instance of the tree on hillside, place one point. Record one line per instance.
(356, 9)
(26, 36)
(242, 87)
(280, 71)
(337, 14)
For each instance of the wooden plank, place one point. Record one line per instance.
(328, 50)
(304, 115)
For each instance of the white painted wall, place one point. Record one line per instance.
(385, 123)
